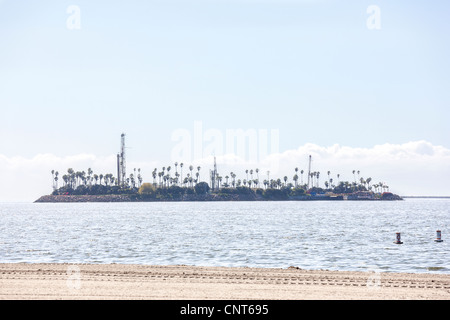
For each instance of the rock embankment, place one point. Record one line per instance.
(87, 198)
(195, 197)
(137, 197)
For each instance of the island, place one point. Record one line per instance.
(81, 187)
(87, 186)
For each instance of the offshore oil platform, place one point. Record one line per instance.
(121, 163)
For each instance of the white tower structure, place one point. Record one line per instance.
(309, 170)
(121, 163)
(213, 174)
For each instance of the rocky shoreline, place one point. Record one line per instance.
(193, 197)
(138, 198)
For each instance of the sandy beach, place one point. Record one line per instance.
(23, 281)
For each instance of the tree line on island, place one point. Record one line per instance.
(169, 183)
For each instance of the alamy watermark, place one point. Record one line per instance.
(73, 281)
(374, 280)
(73, 22)
(243, 145)
(374, 20)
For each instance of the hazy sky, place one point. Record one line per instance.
(363, 89)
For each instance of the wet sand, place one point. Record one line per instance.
(119, 282)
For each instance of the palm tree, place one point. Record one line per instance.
(233, 176)
(176, 167)
(83, 177)
(279, 183)
(53, 179)
(89, 172)
(65, 179)
(132, 180)
(56, 179)
(71, 174)
(257, 176)
(139, 178)
(76, 176)
(272, 183)
(285, 180)
(160, 175)
(368, 180)
(301, 176)
(154, 174)
(181, 166)
(106, 177)
(295, 179)
(189, 179)
(198, 171)
(79, 177)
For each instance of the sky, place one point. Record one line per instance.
(359, 85)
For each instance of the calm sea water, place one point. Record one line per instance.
(341, 235)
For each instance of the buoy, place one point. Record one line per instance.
(438, 236)
(398, 241)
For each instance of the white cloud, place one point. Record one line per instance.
(413, 168)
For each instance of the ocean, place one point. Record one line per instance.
(331, 235)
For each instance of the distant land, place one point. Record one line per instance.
(437, 197)
(87, 186)
(208, 197)
(202, 192)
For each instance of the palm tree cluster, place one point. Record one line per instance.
(73, 180)
(167, 177)
(164, 178)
